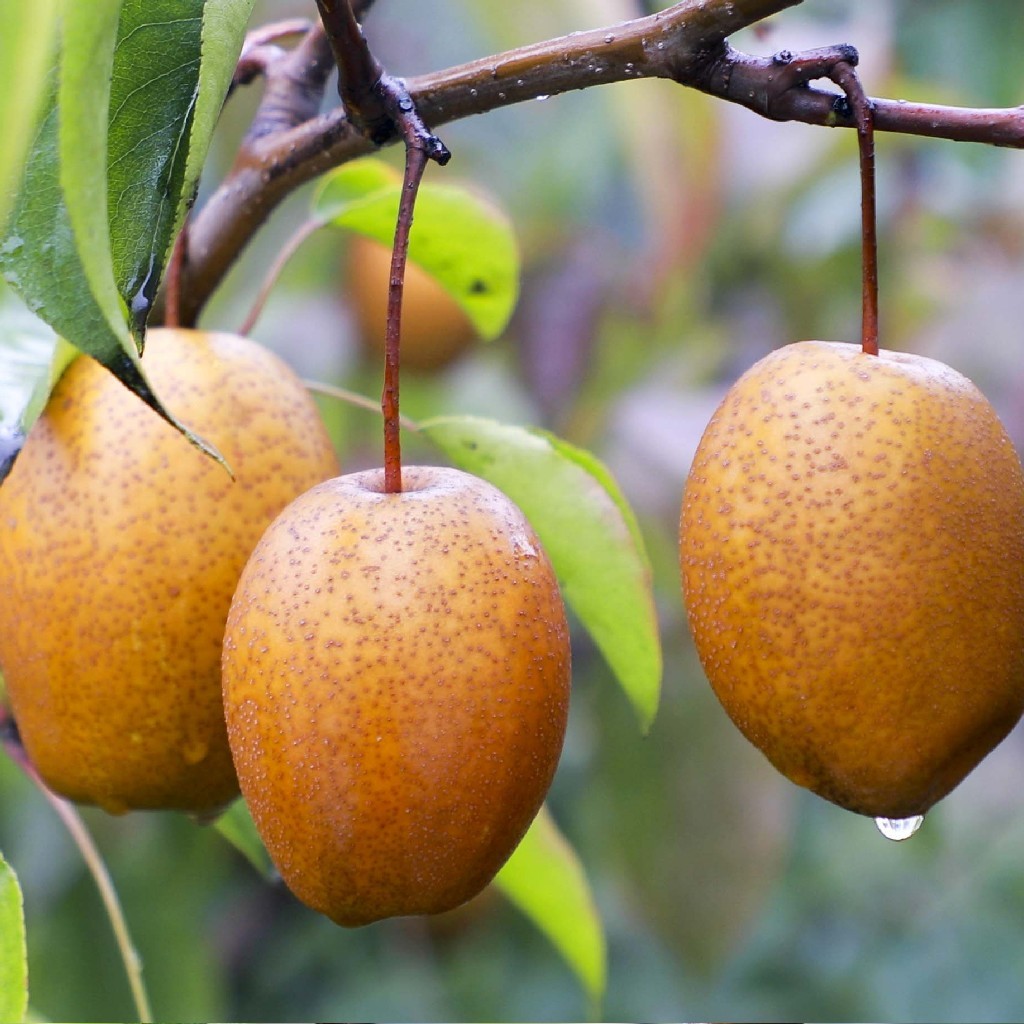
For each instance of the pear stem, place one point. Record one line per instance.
(847, 79)
(415, 164)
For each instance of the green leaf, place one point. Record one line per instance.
(153, 95)
(545, 879)
(352, 184)
(223, 32)
(83, 98)
(84, 243)
(462, 240)
(238, 828)
(27, 33)
(13, 956)
(588, 531)
(28, 369)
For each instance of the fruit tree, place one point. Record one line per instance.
(510, 511)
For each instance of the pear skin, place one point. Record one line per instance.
(852, 555)
(396, 685)
(120, 548)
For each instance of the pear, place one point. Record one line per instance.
(852, 555)
(396, 684)
(120, 548)
(435, 329)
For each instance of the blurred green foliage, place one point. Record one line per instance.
(668, 242)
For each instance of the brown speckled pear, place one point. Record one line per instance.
(120, 548)
(852, 551)
(396, 682)
(435, 330)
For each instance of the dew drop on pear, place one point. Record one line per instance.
(898, 829)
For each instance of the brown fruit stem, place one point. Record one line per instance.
(415, 164)
(382, 106)
(845, 76)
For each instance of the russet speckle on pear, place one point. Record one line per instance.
(396, 685)
(852, 553)
(120, 548)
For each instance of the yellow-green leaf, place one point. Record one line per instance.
(238, 828)
(13, 957)
(27, 33)
(546, 880)
(459, 238)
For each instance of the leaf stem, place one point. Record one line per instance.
(355, 399)
(81, 837)
(287, 251)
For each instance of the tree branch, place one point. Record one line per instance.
(687, 43)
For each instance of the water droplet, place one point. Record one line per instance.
(898, 829)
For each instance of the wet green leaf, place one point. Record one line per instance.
(13, 956)
(83, 99)
(153, 94)
(462, 240)
(105, 177)
(223, 32)
(546, 880)
(588, 531)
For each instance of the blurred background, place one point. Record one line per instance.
(669, 240)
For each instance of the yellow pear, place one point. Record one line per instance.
(120, 548)
(435, 330)
(852, 554)
(396, 684)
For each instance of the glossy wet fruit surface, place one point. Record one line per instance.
(396, 673)
(120, 548)
(852, 552)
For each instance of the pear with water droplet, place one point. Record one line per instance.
(120, 548)
(852, 553)
(396, 684)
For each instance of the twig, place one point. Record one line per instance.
(79, 833)
(358, 69)
(378, 104)
(295, 83)
(175, 267)
(685, 43)
(259, 52)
